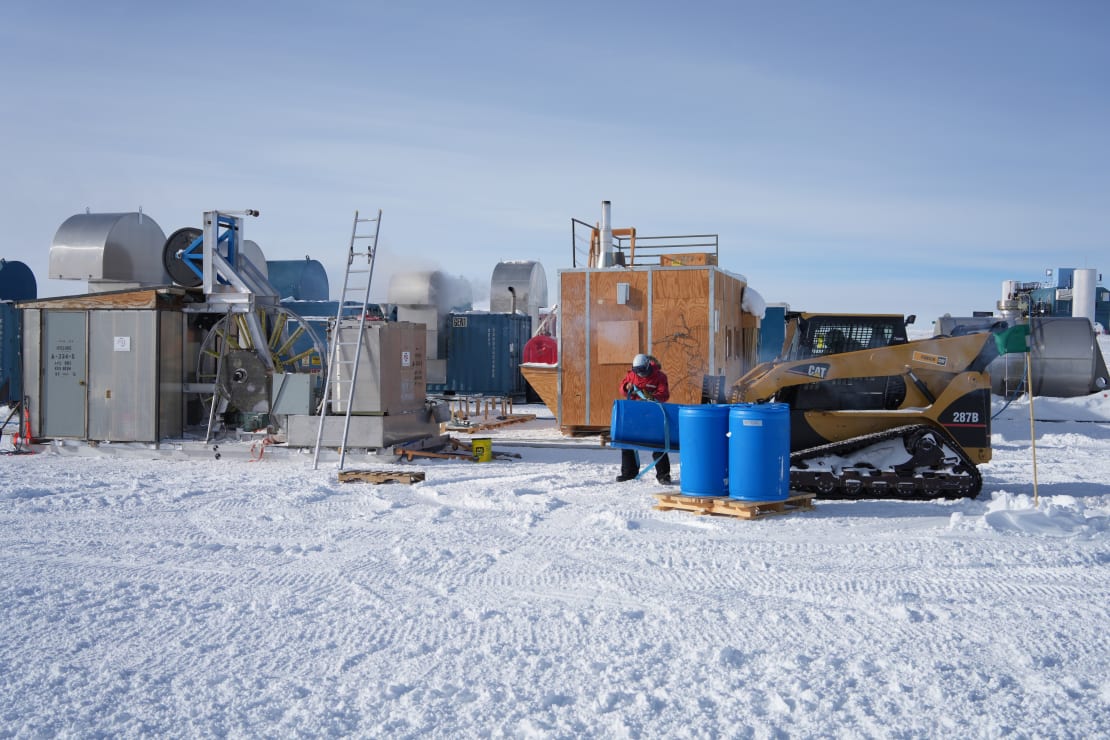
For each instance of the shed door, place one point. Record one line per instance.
(64, 364)
(123, 376)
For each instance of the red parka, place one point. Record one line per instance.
(653, 385)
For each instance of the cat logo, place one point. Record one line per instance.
(817, 370)
(929, 359)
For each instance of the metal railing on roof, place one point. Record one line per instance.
(633, 248)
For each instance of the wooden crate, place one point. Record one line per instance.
(690, 318)
(687, 258)
(723, 506)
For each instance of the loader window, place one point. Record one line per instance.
(829, 335)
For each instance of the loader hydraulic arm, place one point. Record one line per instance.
(928, 364)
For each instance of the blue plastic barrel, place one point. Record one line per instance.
(758, 452)
(705, 453)
(644, 425)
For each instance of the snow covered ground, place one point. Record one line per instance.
(186, 595)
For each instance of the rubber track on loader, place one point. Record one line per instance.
(951, 482)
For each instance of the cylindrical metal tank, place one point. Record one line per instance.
(17, 282)
(302, 280)
(959, 325)
(253, 253)
(518, 286)
(1064, 356)
(109, 248)
(1083, 294)
(1009, 306)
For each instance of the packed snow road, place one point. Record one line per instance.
(540, 598)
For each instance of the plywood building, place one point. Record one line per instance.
(688, 316)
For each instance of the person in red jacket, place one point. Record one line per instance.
(647, 381)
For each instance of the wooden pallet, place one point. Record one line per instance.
(496, 424)
(733, 507)
(380, 476)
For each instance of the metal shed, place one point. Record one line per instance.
(105, 367)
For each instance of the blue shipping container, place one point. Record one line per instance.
(484, 352)
(11, 370)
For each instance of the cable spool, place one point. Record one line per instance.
(186, 268)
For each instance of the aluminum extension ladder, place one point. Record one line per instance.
(343, 366)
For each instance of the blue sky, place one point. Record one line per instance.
(852, 156)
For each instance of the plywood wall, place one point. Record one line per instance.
(668, 313)
(681, 331)
(599, 339)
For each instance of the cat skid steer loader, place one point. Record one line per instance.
(874, 415)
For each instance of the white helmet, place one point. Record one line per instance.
(640, 364)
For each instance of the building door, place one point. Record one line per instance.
(64, 369)
(123, 376)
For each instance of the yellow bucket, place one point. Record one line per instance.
(482, 448)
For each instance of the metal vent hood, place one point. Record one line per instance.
(110, 250)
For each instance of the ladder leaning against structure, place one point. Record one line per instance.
(343, 356)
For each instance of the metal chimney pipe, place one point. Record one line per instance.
(512, 306)
(605, 253)
(1083, 293)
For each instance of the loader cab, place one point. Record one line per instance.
(821, 335)
(817, 335)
